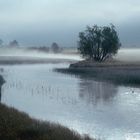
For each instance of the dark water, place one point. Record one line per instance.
(99, 109)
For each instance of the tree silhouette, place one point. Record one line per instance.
(98, 43)
(14, 43)
(55, 48)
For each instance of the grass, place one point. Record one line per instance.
(121, 76)
(117, 72)
(15, 125)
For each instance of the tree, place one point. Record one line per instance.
(1, 42)
(98, 43)
(14, 43)
(55, 48)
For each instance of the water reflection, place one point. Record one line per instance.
(96, 92)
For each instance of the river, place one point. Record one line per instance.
(102, 110)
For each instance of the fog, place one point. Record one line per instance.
(82, 102)
(128, 55)
(6, 53)
(9, 53)
(41, 22)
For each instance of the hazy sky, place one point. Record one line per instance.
(41, 22)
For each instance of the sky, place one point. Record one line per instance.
(41, 22)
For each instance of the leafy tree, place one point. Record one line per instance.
(99, 43)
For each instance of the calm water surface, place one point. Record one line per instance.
(100, 109)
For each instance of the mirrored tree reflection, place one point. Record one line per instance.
(96, 92)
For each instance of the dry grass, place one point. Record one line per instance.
(15, 125)
(107, 64)
(112, 71)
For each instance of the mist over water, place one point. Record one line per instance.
(124, 54)
(100, 109)
(128, 55)
(25, 52)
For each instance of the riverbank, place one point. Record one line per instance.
(108, 64)
(126, 73)
(15, 125)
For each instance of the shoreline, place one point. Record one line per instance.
(19, 126)
(108, 64)
(116, 72)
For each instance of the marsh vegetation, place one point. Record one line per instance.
(15, 125)
(120, 73)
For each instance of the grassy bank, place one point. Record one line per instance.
(15, 125)
(117, 72)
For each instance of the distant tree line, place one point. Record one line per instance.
(13, 43)
(54, 48)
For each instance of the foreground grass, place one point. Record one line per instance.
(15, 125)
